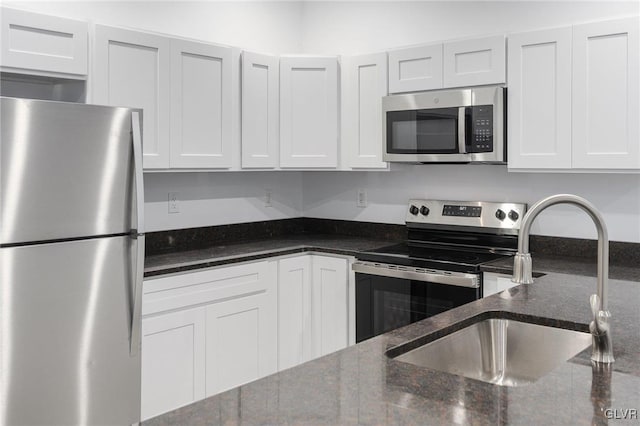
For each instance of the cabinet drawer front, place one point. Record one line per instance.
(43, 43)
(474, 62)
(202, 287)
(415, 69)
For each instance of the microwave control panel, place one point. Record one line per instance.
(481, 132)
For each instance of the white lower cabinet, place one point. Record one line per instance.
(313, 307)
(493, 283)
(207, 331)
(211, 330)
(241, 340)
(173, 362)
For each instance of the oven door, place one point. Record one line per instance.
(385, 302)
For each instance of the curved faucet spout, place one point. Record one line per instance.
(522, 268)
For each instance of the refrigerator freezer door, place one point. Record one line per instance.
(65, 171)
(65, 318)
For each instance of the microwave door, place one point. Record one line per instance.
(462, 130)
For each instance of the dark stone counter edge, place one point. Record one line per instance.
(220, 261)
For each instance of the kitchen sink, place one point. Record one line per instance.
(500, 351)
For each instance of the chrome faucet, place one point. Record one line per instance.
(602, 349)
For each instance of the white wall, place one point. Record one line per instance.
(207, 199)
(333, 195)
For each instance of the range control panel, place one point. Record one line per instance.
(478, 214)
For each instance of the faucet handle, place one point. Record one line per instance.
(600, 323)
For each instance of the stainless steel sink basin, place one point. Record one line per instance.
(500, 351)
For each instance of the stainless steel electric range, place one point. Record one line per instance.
(438, 267)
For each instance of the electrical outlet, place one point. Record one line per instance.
(361, 201)
(174, 205)
(267, 197)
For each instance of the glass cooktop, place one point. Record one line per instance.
(454, 259)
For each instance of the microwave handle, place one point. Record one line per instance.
(462, 128)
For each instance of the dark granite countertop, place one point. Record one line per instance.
(222, 254)
(361, 385)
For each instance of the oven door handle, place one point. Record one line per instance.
(454, 278)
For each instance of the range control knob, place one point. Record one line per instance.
(500, 214)
(513, 215)
(424, 210)
(414, 210)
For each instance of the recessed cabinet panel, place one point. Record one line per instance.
(309, 112)
(173, 362)
(43, 43)
(330, 295)
(200, 105)
(364, 83)
(606, 95)
(415, 69)
(241, 342)
(132, 69)
(260, 114)
(539, 107)
(475, 62)
(294, 311)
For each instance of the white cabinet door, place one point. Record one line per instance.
(475, 62)
(308, 112)
(493, 283)
(42, 43)
(294, 311)
(606, 95)
(201, 123)
(131, 69)
(415, 68)
(260, 110)
(364, 83)
(329, 304)
(241, 340)
(173, 361)
(539, 107)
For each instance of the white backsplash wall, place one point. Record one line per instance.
(207, 199)
(617, 196)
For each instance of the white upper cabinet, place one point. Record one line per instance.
(309, 112)
(573, 97)
(606, 75)
(201, 109)
(539, 107)
(363, 84)
(475, 62)
(415, 68)
(260, 110)
(33, 43)
(131, 69)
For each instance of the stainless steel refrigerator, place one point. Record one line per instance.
(71, 263)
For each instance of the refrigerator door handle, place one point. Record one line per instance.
(136, 313)
(137, 163)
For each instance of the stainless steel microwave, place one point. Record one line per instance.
(446, 126)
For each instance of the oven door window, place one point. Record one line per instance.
(425, 131)
(384, 304)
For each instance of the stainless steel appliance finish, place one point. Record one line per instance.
(500, 351)
(522, 270)
(71, 259)
(438, 268)
(502, 218)
(417, 274)
(458, 101)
